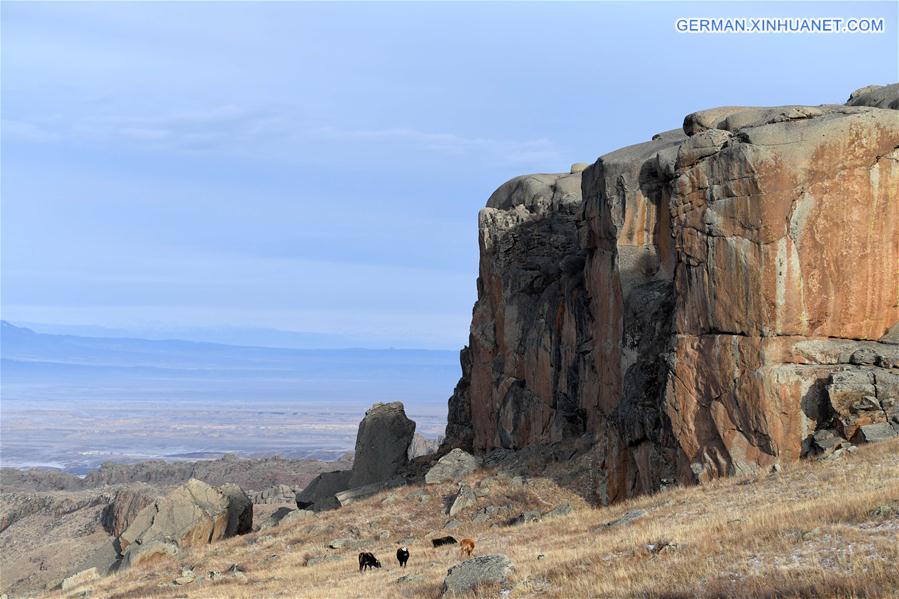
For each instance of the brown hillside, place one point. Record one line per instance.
(816, 529)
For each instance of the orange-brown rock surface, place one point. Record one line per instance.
(700, 304)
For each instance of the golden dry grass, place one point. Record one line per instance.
(817, 529)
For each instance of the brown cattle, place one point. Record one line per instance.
(466, 546)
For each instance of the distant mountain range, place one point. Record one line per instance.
(26, 353)
(227, 335)
(74, 402)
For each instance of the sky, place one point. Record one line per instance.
(318, 168)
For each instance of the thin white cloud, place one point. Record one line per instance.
(503, 149)
(232, 128)
(221, 126)
(27, 131)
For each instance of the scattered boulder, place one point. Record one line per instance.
(470, 574)
(871, 433)
(660, 547)
(525, 517)
(187, 577)
(852, 394)
(240, 510)
(487, 513)
(320, 494)
(147, 552)
(382, 444)
(452, 467)
(125, 505)
(274, 494)
(423, 446)
(825, 441)
(558, 511)
(83, 577)
(420, 495)
(236, 573)
(192, 514)
(313, 560)
(464, 499)
(285, 515)
(382, 448)
(355, 494)
(863, 404)
(625, 519)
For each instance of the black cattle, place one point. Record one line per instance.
(443, 541)
(402, 556)
(368, 560)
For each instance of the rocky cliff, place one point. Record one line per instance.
(697, 305)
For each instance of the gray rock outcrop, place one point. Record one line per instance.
(247, 473)
(356, 493)
(240, 510)
(877, 96)
(470, 574)
(273, 494)
(382, 444)
(320, 494)
(422, 446)
(464, 499)
(382, 451)
(126, 504)
(283, 516)
(190, 515)
(452, 467)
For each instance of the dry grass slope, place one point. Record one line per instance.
(816, 529)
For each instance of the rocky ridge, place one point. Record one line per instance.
(698, 305)
(251, 474)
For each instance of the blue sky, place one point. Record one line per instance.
(319, 167)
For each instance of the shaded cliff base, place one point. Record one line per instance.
(815, 529)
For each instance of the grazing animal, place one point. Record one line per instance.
(443, 541)
(368, 560)
(402, 556)
(466, 546)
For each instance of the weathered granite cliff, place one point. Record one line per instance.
(700, 304)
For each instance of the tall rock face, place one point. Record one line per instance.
(522, 370)
(382, 444)
(696, 303)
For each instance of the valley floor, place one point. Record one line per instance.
(815, 529)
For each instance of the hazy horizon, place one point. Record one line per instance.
(225, 335)
(73, 402)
